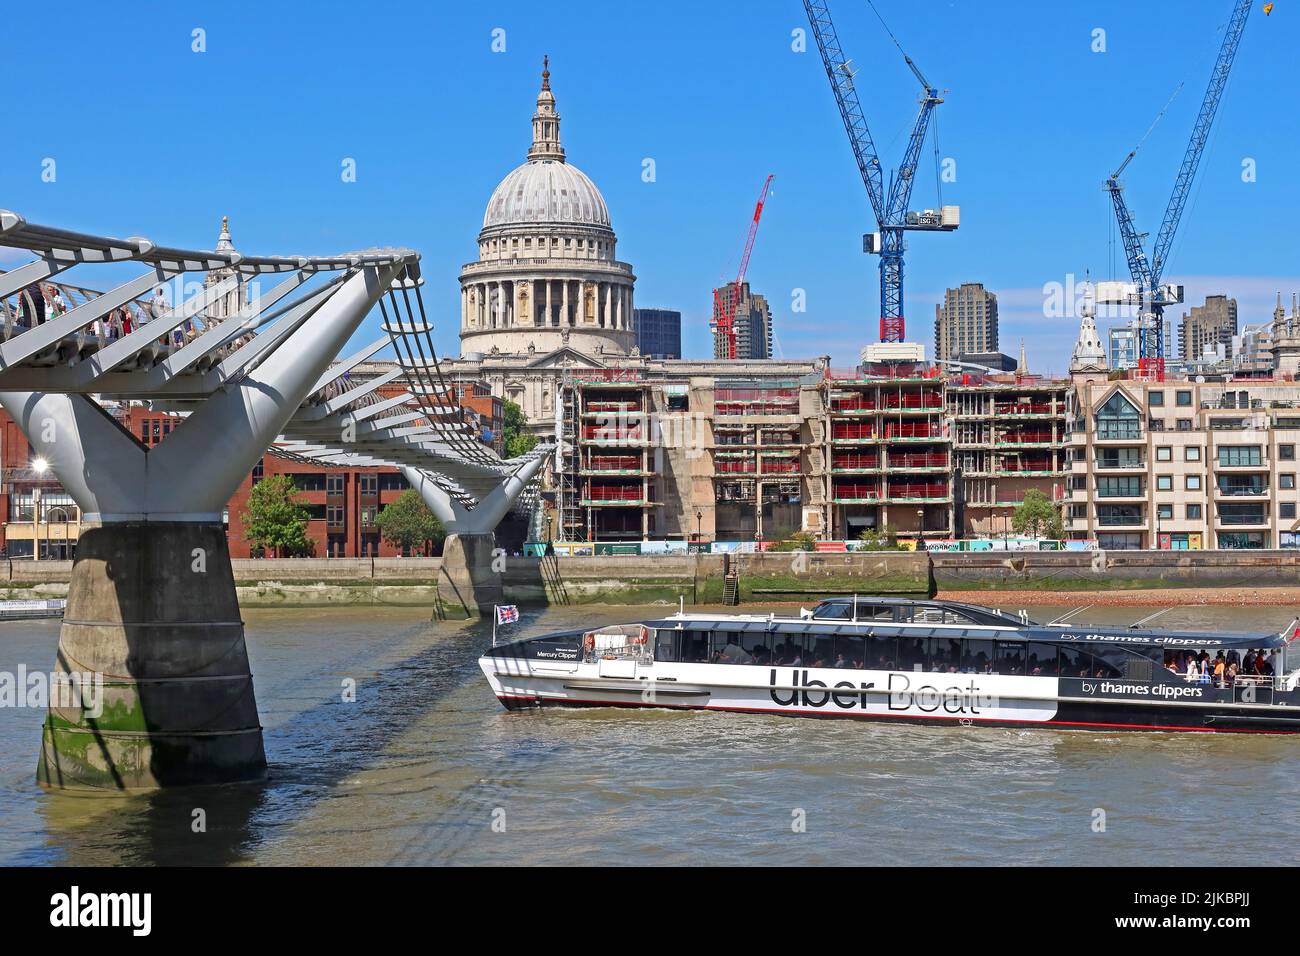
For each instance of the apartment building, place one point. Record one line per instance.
(966, 322)
(1184, 465)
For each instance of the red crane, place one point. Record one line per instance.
(725, 301)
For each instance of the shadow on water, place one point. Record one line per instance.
(309, 755)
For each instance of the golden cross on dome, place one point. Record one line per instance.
(546, 73)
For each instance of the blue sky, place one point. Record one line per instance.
(153, 139)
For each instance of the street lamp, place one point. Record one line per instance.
(699, 526)
(920, 525)
(36, 518)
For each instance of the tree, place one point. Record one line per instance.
(1038, 517)
(275, 519)
(799, 541)
(408, 524)
(515, 431)
(878, 539)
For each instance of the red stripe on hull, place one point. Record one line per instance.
(1087, 725)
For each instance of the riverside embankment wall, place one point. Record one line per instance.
(700, 579)
(1114, 570)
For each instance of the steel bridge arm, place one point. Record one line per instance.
(1200, 134)
(846, 97)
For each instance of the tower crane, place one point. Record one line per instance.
(890, 206)
(727, 298)
(1148, 294)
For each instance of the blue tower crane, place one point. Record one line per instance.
(1151, 296)
(890, 206)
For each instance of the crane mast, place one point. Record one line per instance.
(1145, 272)
(890, 207)
(725, 300)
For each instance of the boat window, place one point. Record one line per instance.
(875, 612)
(849, 650)
(833, 611)
(758, 645)
(927, 615)
(695, 647)
(977, 656)
(821, 650)
(726, 649)
(945, 655)
(790, 652)
(1111, 660)
(1075, 662)
(1011, 657)
(912, 654)
(1041, 659)
(882, 653)
(666, 644)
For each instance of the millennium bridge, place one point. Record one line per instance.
(152, 605)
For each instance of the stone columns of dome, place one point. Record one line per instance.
(566, 320)
(618, 307)
(499, 306)
(549, 315)
(609, 304)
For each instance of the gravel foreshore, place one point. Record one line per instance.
(1154, 597)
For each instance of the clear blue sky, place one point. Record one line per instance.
(153, 139)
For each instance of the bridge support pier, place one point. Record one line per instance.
(472, 575)
(152, 609)
(469, 582)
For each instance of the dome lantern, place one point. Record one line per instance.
(546, 123)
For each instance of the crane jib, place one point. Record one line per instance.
(890, 207)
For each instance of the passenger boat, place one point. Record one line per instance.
(932, 662)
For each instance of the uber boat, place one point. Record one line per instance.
(932, 662)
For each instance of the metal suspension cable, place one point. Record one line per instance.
(472, 448)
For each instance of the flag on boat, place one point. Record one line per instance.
(507, 614)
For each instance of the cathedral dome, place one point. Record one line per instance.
(546, 192)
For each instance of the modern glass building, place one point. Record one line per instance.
(658, 332)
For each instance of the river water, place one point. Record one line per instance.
(426, 768)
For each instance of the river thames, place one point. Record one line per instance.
(425, 767)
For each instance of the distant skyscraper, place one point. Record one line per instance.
(967, 322)
(1212, 324)
(753, 324)
(659, 332)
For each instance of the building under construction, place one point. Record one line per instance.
(1009, 437)
(889, 452)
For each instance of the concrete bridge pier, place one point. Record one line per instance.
(471, 578)
(152, 610)
(468, 583)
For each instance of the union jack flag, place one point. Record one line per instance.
(507, 614)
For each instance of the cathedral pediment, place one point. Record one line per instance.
(565, 357)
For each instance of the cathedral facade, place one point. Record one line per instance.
(547, 291)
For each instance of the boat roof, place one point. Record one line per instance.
(1053, 634)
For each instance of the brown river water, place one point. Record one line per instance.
(425, 767)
